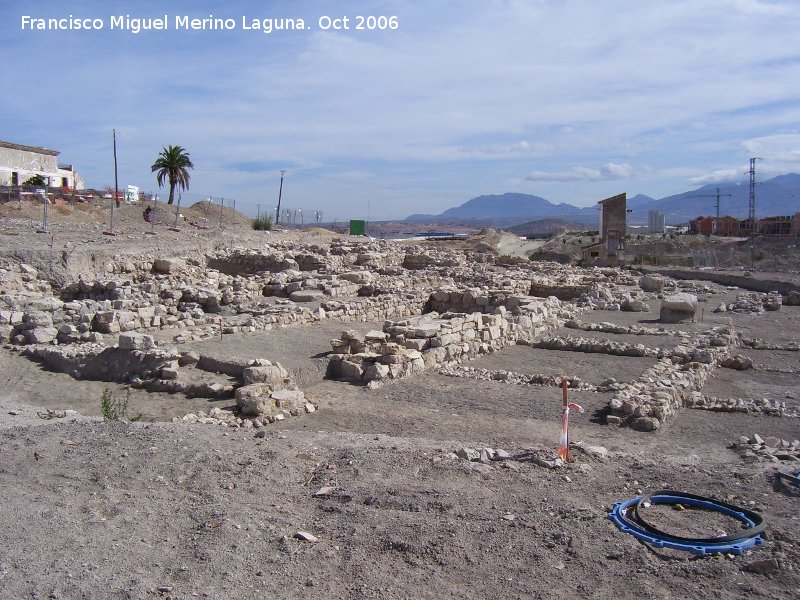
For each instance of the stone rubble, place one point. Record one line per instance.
(767, 448)
(596, 346)
(606, 327)
(97, 317)
(537, 455)
(763, 406)
(510, 377)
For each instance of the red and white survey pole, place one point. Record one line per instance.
(563, 444)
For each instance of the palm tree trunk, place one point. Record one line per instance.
(172, 184)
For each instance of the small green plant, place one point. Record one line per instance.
(35, 180)
(262, 223)
(114, 409)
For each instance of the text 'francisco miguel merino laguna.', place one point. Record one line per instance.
(210, 23)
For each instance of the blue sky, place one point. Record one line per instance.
(572, 100)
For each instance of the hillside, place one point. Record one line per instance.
(542, 226)
(777, 196)
(504, 210)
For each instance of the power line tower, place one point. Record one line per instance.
(752, 212)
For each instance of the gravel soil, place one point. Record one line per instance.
(97, 509)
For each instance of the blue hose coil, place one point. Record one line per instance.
(698, 547)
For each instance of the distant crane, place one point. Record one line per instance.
(717, 196)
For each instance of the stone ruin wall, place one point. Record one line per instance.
(457, 326)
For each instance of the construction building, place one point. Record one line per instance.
(656, 221)
(613, 227)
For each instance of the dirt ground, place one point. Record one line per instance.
(154, 509)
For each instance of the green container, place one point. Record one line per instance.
(357, 227)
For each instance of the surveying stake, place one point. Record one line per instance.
(563, 444)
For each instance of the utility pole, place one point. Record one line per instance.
(116, 180)
(752, 213)
(280, 191)
(116, 187)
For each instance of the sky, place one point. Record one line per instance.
(441, 101)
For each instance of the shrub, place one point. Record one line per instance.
(114, 409)
(262, 223)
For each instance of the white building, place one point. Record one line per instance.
(18, 163)
(656, 221)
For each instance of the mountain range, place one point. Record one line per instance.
(777, 196)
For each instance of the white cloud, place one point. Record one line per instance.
(606, 172)
(719, 176)
(777, 154)
(459, 99)
(775, 148)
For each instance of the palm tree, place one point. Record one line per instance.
(173, 163)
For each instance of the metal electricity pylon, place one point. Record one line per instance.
(752, 212)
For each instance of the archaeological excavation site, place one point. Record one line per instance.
(281, 414)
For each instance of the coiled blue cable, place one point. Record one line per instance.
(731, 544)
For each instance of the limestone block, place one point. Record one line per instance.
(168, 265)
(634, 306)
(350, 370)
(288, 399)
(678, 308)
(376, 372)
(41, 335)
(359, 277)
(38, 318)
(340, 346)
(171, 371)
(645, 424)
(274, 375)
(251, 392)
(425, 330)
(375, 336)
(416, 344)
(135, 341)
(189, 358)
(307, 296)
(651, 284)
(28, 270)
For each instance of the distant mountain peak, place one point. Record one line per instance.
(777, 196)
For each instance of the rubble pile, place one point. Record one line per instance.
(417, 258)
(753, 302)
(759, 344)
(492, 301)
(511, 377)
(737, 363)
(612, 328)
(595, 346)
(763, 406)
(768, 448)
